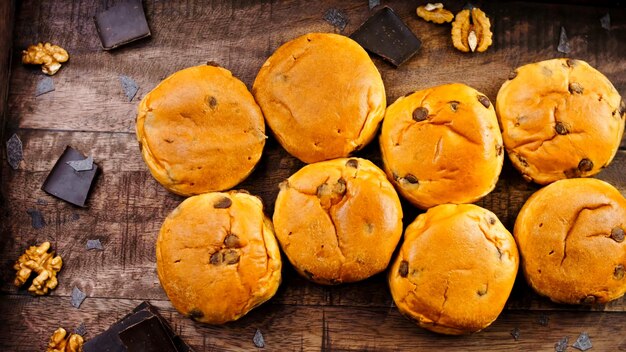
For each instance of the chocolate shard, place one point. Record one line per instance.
(385, 35)
(605, 21)
(563, 46)
(258, 339)
(561, 345)
(110, 339)
(337, 18)
(516, 333)
(68, 184)
(15, 154)
(77, 297)
(81, 165)
(45, 85)
(373, 3)
(583, 342)
(36, 218)
(122, 24)
(95, 244)
(81, 329)
(147, 336)
(130, 87)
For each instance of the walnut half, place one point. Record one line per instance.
(471, 31)
(37, 259)
(47, 55)
(435, 13)
(61, 341)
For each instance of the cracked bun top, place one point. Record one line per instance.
(338, 220)
(217, 257)
(442, 145)
(571, 239)
(321, 95)
(560, 118)
(200, 130)
(455, 269)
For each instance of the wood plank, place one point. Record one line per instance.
(6, 44)
(310, 328)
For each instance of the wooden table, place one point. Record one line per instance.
(88, 110)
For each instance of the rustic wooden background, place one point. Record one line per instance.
(88, 110)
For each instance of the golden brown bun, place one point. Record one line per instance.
(338, 220)
(217, 257)
(560, 118)
(442, 145)
(200, 130)
(321, 95)
(571, 239)
(455, 269)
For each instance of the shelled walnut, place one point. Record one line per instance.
(37, 259)
(471, 31)
(61, 341)
(435, 13)
(47, 55)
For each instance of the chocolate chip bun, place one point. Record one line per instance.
(442, 145)
(217, 257)
(200, 130)
(338, 220)
(321, 95)
(560, 118)
(571, 239)
(455, 269)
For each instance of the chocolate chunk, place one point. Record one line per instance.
(122, 24)
(560, 128)
(68, 184)
(575, 87)
(110, 340)
(231, 241)
(515, 333)
(15, 153)
(585, 165)
(147, 336)
(403, 270)
(420, 114)
(36, 218)
(258, 339)
(77, 297)
(484, 100)
(563, 46)
(129, 86)
(81, 329)
(353, 163)
(618, 272)
(81, 165)
(223, 203)
(513, 74)
(45, 85)
(337, 18)
(94, 244)
(605, 21)
(410, 178)
(561, 345)
(583, 342)
(617, 234)
(385, 34)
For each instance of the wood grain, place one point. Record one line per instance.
(6, 43)
(88, 110)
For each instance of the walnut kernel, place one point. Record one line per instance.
(471, 31)
(435, 13)
(61, 341)
(47, 55)
(42, 262)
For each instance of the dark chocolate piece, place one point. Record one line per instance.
(81, 165)
(147, 336)
(42, 201)
(122, 24)
(564, 46)
(583, 342)
(15, 154)
(36, 218)
(516, 333)
(109, 340)
(81, 330)
(258, 339)
(95, 244)
(45, 85)
(130, 87)
(68, 184)
(337, 18)
(385, 34)
(605, 21)
(77, 297)
(373, 3)
(561, 345)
